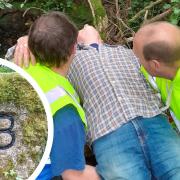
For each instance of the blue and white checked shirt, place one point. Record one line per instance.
(111, 87)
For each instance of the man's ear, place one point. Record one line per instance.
(178, 63)
(73, 49)
(155, 65)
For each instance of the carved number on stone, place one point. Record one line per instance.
(6, 126)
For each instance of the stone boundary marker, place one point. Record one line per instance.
(15, 121)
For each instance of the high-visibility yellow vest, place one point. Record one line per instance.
(170, 93)
(57, 89)
(164, 86)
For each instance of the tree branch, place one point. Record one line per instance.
(92, 11)
(158, 17)
(125, 25)
(140, 13)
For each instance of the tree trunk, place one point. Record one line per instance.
(100, 19)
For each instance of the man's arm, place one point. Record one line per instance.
(67, 153)
(23, 56)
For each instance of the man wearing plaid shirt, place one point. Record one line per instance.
(131, 139)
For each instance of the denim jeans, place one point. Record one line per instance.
(142, 149)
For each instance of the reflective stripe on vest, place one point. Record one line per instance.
(152, 81)
(55, 94)
(169, 95)
(58, 92)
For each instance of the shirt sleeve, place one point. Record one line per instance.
(69, 139)
(10, 53)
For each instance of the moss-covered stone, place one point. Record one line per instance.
(18, 98)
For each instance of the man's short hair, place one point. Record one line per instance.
(161, 51)
(51, 39)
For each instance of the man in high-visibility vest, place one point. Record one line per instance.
(157, 45)
(50, 31)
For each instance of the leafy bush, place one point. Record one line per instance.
(79, 12)
(57, 5)
(175, 16)
(139, 5)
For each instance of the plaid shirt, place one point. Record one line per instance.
(111, 87)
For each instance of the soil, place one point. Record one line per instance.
(14, 24)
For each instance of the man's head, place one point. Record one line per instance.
(157, 45)
(52, 39)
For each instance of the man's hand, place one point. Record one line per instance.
(89, 35)
(23, 55)
(89, 173)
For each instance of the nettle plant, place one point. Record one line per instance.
(5, 4)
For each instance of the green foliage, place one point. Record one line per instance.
(79, 13)
(99, 12)
(4, 69)
(138, 5)
(47, 5)
(175, 15)
(4, 4)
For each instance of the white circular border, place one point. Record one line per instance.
(47, 110)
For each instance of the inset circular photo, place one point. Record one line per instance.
(26, 126)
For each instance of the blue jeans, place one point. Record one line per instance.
(142, 149)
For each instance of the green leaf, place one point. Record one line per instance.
(8, 5)
(22, 5)
(1, 6)
(166, 6)
(6, 174)
(12, 172)
(176, 10)
(174, 20)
